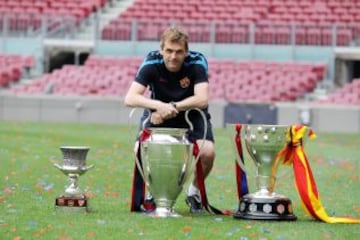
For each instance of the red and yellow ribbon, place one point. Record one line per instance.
(294, 154)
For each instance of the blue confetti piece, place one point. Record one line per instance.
(49, 187)
(32, 223)
(42, 183)
(264, 230)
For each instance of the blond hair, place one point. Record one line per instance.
(175, 34)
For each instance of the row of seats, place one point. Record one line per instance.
(347, 94)
(239, 10)
(27, 15)
(274, 20)
(42, 6)
(12, 68)
(260, 81)
(229, 79)
(237, 33)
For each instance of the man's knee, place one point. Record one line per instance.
(206, 149)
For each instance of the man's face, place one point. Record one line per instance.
(173, 54)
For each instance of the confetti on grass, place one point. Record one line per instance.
(187, 231)
(232, 231)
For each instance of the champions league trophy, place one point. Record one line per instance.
(167, 162)
(73, 166)
(263, 143)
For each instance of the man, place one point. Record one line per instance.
(178, 81)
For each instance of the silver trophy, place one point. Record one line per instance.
(167, 163)
(73, 166)
(263, 144)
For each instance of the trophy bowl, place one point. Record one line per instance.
(263, 144)
(167, 163)
(73, 166)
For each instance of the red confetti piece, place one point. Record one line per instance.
(357, 209)
(36, 235)
(91, 234)
(327, 235)
(90, 194)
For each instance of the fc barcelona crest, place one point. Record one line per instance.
(185, 82)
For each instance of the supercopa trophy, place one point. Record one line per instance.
(73, 166)
(264, 143)
(166, 163)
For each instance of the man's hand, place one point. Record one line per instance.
(156, 118)
(167, 111)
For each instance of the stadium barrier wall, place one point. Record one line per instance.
(105, 110)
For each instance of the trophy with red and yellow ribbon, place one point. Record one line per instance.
(264, 143)
(270, 146)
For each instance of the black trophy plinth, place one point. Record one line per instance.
(258, 208)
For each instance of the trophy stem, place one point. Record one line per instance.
(266, 184)
(73, 189)
(164, 212)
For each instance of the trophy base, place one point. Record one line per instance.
(265, 208)
(72, 204)
(164, 212)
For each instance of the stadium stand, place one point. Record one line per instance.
(304, 22)
(230, 79)
(349, 94)
(268, 59)
(27, 15)
(311, 22)
(13, 67)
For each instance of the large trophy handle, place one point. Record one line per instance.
(192, 128)
(183, 170)
(137, 161)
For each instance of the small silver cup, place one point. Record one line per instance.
(73, 166)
